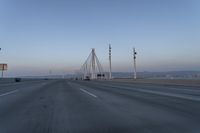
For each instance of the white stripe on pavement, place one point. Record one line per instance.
(182, 96)
(170, 94)
(88, 93)
(8, 93)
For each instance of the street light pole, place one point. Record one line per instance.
(134, 58)
(110, 67)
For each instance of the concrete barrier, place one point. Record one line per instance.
(13, 80)
(185, 82)
(6, 80)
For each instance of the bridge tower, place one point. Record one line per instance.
(92, 68)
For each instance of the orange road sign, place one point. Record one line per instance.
(3, 67)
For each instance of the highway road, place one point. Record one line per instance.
(66, 106)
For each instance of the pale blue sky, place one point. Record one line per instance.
(41, 35)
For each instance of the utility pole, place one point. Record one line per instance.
(134, 59)
(110, 65)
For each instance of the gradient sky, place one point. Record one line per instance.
(39, 36)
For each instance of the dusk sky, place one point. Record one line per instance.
(39, 36)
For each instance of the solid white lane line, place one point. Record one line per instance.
(181, 96)
(171, 95)
(8, 93)
(88, 93)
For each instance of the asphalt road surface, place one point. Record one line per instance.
(64, 106)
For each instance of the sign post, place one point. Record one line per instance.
(3, 67)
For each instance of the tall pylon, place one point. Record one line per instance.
(134, 61)
(92, 68)
(110, 62)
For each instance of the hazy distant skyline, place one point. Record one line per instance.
(39, 36)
